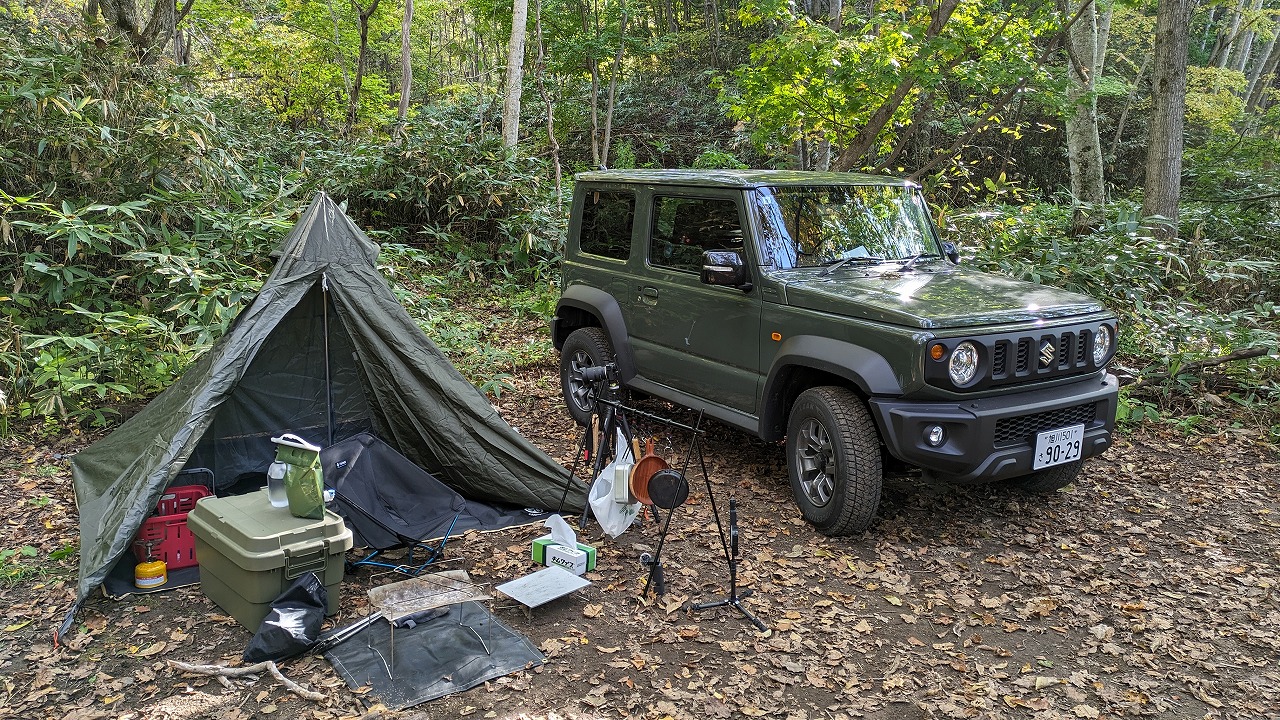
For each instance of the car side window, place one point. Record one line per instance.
(684, 227)
(606, 224)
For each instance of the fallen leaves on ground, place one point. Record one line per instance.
(1149, 588)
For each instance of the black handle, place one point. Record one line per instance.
(733, 527)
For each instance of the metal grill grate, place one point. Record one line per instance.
(1022, 429)
(999, 357)
(1024, 355)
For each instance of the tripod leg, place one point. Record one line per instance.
(608, 425)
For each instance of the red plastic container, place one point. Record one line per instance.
(167, 531)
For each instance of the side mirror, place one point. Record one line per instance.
(952, 252)
(725, 267)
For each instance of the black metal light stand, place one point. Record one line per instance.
(731, 557)
(654, 561)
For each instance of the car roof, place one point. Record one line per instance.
(739, 178)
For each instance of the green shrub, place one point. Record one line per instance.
(1181, 302)
(128, 236)
(485, 212)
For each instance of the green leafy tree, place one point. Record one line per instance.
(301, 59)
(867, 87)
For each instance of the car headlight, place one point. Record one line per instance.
(963, 364)
(1101, 344)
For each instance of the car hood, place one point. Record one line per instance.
(930, 296)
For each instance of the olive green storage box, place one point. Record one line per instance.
(250, 552)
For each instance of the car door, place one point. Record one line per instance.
(699, 339)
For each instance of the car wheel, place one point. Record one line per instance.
(585, 347)
(1047, 480)
(833, 458)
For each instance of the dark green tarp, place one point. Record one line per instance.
(325, 351)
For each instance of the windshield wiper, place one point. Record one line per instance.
(841, 262)
(911, 261)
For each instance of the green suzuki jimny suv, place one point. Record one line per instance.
(823, 309)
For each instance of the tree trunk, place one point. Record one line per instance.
(866, 137)
(406, 65)
(337, 48)
(540, 69)
(1084, 149)
(1245, 45)
(1226, 38)
(1128, 103)
(1163, 184)
(515, 74)
(593, 66)
(1262, 74)
(1208, 28)
(835, 9)
(613, 86)
(363, 17)
(711, 18)
(149, 34)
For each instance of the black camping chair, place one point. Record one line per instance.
(390, 503)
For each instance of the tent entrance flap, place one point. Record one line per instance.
(304, 380)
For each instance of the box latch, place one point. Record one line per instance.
(310, 559)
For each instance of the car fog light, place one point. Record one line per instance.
(934, 435)
(964, 363)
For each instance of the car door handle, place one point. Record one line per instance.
(649, 295)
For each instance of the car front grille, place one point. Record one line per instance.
(1023, 428)
(1029, 356)
(1039, 355)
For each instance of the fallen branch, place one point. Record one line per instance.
(1202, 364)
(222, 672)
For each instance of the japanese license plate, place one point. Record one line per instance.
(1054, 447)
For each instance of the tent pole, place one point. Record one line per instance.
(328, 382)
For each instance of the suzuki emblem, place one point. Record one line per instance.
(1046, 354)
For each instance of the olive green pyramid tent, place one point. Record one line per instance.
(325, 351)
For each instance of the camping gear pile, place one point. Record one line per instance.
(323, 380)
(326, 352)
(163, 542)
(250, 552)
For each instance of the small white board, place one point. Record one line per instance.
(542, 587)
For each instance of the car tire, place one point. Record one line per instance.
(1047, 480)
(834, 460)
(585, 347)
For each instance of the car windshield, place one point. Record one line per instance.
(845, 224)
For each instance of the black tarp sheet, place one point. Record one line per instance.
(388, 501)
(439, 656)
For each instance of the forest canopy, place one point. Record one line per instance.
(152, 153)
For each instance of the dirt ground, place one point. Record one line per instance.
(1149, 588)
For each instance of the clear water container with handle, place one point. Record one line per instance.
(275, 484)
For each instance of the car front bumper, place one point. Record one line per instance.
(993, 438)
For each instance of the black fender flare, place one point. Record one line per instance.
(604, 308)
(866, 370)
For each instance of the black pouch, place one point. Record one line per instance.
(294, 623)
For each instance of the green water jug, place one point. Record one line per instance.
(303, 478)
